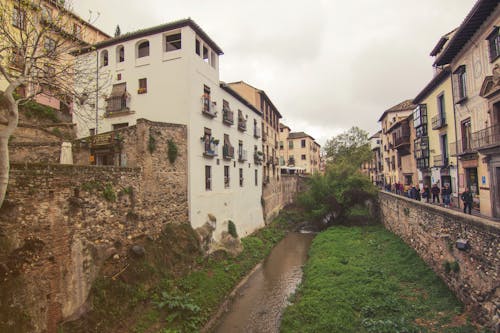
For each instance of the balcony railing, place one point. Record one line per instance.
(486, 138)
(258, 157)
(228, 116)
(242, 155)
(116, 104)
(209, 148)
(264, 136)
(242, 124)
(256, 132)
(208, 108)
(438, 122)
(402, 140)
(462, 147)
(227, 152)
(440, 161)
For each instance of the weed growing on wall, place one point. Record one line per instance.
(172, 151)
(231, 229)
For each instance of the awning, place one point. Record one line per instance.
(119, 90)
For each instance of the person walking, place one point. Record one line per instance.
(435, 193)
(467, 200)
(413, 193)
(446, 194)
(426, 193)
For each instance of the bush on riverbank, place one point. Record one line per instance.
(365, 279)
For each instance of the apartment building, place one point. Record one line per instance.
(298, 151)
(170, 73)
(375, 167)
(270, 127)
(397, 153)
(59, 30)
(472, 54)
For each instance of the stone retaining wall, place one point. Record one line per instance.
(473, 273)
(279, 193)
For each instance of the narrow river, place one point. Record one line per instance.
(261, 301)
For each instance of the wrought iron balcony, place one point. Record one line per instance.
(402, 140)
(440, 161)
(264, 136)
(258, 157)
(209, 147)
(487, 138)
(462, 147)
(242, 155)
(242, 124)
(438, 122)
(208, 108)
(227, 116)
(256, 132)
(116, 104)
(227, 152)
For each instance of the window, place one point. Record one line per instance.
(494, 44)
(461, 83)
(120, 125)
(441, 109)
(197, 47)
(91, 131)
(143, 49)
(205, 53)
(77, 31)
(212, 59)
(256, 177)
(208, 177)
(241, 177)
(173, 42)
(206, 100)
(303, 157)
(466, 135)
(143, 86)
(104, 58)
(18, 17)
(281, 145)
(49, 45)
(303, 143)
(226, 176)
(290, 144)
(120, 53)
(118, 76)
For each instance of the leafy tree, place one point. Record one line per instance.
(352, 146)
(35, 58)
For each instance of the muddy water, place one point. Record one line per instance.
(261, 301)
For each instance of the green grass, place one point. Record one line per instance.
(365, 279)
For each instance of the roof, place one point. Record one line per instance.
(439, 46)
(260, 91)
(376, 135)
(436, 80)
(476, 17)
(298, 135)
(403, 106)
(154, 30)
(233, 93)
(284, 126)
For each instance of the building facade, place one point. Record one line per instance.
(376, 165)
(473, 57)
(170, 73)
(298, 151)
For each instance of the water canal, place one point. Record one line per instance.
(261, 300)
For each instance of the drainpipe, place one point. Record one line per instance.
(96, 92)
(456, 137)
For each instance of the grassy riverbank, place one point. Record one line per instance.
(148, 298)
(365, 279)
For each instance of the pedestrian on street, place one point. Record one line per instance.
(435, 193)
(467, 200)
(426, 193)
(446, 193)
(413, 193)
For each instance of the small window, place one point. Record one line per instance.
(18, 17)
(173, 42)
(303, 143)
(461, 83)
(256, 177)
(212, 59)
(290, 144)
(494, 44)
(281, 145)
(197, 47)
(143, 86)
(241, 177)
(205, 53)
(104, 58)
(208, 177)
(143, 49)
(226, 176)
(120, 54)
(118, 76)
(303, 157)
(91, 131)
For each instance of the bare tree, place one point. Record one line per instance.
(37, 39)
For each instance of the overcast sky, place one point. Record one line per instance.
(327, 65)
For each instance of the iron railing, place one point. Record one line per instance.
(438, 122)
(487, 137)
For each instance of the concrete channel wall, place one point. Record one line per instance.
(463, 250)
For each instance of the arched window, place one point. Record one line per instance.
(143, 49)
(104, 58)
(120, 53)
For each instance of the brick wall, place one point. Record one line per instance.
(61, 222)
(473, 274)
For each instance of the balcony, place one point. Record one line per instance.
(256, 132)
(242, 155)
(264, 136)
(402, 140)
(438, 122)
(462, 147)
(258, 157)
(210, 147)
(208, 108)
(116, 105)
(440, 161)
(276, 161)
(242, 124)
(227, 152)
(487, 138)
(227, 116)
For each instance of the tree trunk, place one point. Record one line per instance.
(5, 133)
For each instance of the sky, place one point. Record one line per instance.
(327, 65)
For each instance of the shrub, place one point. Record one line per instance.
(231, 229)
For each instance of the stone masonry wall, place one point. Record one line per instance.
(474, 273)
(61, 222)
(277, 194)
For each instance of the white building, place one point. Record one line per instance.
(170, 73)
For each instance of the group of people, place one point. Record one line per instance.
(414, 192)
